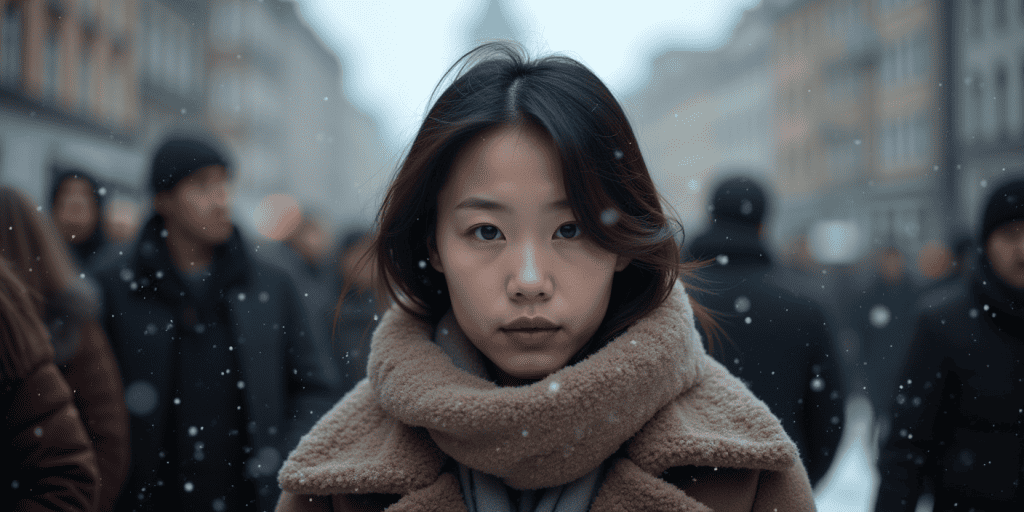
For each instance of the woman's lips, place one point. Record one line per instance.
(530, 336)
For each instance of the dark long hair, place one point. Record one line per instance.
(607, 182)
(40, 259)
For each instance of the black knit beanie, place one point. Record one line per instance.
(1005, 205)
(178, 157)
(739, 200)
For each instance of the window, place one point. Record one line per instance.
(1002, 121)
(11, 45)
(976, 17)
(1000, 13)
(85, 77)
(977, 106)
(50, 65)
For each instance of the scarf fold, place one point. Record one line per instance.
(652, 391)
(484, 492)
(550, 432)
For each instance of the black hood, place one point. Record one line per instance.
(739, 242)
(1005, 303)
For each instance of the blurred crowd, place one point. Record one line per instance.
(174, 365)
(174, 361)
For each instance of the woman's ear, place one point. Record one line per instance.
(435, 260)
(162, 203)
(621, 263)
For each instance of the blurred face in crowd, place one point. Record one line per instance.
(199, 207)
(311, 240)
(356, 268)
(1005, 247)
(527, 287)
(76, 212)
(891, 266)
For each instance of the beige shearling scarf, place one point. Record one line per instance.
(652, 390)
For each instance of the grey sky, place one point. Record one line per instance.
(393, 53)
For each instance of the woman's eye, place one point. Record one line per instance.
(487, 232)
(568, 231)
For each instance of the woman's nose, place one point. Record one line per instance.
(529, 279)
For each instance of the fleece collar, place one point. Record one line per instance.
(653, 390)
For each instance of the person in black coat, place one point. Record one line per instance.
(221, 375)
(882, 315)
(776, 342)
(957, 408)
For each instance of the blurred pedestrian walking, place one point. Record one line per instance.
(66, 303)
(776, 342)
(958, 407)
(77, 206)
(303, 253)
(221, 372)
(883, 317)
(357, 308)
(48, 460)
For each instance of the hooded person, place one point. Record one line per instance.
(776, 342)
(542, 352)
(221, 375)
(76, 204)
(957, 408)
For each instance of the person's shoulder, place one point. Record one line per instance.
(265, 272)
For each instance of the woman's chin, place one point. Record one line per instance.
(529, 368)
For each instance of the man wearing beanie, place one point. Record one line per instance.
(775, 341)
(220, 374)
(957, 414)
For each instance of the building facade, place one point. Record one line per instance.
(864, 103)
(989, 91)
(69, 90)
(100, 83)
(706, 114)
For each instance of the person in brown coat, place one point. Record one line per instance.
(48, 461)
(67, 304)
(542, 353)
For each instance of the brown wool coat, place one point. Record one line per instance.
(46, 461)
(707, 445)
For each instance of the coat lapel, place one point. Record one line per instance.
(717, 423)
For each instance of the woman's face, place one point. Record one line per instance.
(528, 287)
(75, 210)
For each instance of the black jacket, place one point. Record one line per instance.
(776, 342)
(957, 410)
(284, 381)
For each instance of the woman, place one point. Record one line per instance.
(76, 204)
(541, 355)
(66, 303)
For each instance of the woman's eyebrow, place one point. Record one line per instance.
(480, 203)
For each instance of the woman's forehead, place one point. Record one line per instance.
(516, 162)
